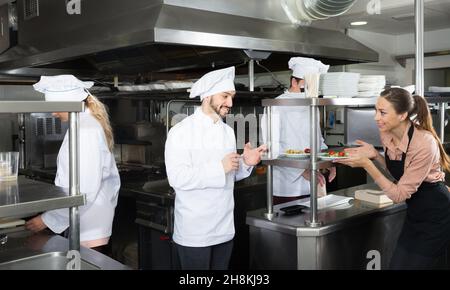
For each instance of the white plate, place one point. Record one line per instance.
(331, 158)
(298, 155)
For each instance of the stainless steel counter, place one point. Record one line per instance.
(26, 197)
(333, 218)
(26, 251)
(342, 242)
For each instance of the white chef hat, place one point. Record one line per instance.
(301, 66)
(63, 88)
(214, 82)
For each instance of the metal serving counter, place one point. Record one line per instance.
(342, 242)
(24, 197)
(26, 251)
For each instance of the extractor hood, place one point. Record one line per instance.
(138, 36)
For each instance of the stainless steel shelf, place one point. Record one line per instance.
(437, 100)
(321, 102)
(40, 107)
(28, 196)
(297, 163)
(338, 101)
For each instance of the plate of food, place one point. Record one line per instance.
(332, 155)
(293, 153)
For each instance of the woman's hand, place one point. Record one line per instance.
(35, 224)
(366, 150)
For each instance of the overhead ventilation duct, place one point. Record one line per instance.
(302, 12)
(172, 36)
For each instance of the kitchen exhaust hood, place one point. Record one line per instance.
(139, 36)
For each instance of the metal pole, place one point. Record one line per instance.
(442, 121)
(313, 222)
(325, 124)
(21, 120)
(419, 8)
(251, 74)
(269, 213)
(74, 181)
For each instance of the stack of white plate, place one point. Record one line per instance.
(339, 84)
(371, 85)
(145, 87)
(439, 89)
(173, 85)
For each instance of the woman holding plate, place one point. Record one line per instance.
(417, 160)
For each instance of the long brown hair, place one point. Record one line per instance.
(98, 110)
(417, 108)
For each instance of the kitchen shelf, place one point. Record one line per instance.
(340, 101)
(300, 164)
(40, 107)
(320, 102)
(437, 100)
(26, 196)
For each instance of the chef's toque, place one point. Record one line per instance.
(214, 82)
(301, 66)
(63, 88)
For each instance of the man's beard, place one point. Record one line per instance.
(217, 108)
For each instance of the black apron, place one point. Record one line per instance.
(426, 230)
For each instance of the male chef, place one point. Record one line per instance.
(202, 166)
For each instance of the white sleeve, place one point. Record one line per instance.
(275, 131)
(244, 170)
(322, 140)
(56, 220)
(91, 152)
(183, 174)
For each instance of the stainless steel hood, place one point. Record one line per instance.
(133, 36)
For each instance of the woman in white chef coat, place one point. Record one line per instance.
(99, 177)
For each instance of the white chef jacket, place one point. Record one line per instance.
(204, 200)
(99, 180)
(290, 130)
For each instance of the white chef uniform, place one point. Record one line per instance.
(194, 151)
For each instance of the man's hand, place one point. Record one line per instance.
(231, 162)
(253, 156)
(320, 178)
(332, 174)
(366, 150)
(35, 224)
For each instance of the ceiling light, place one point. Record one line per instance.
(358, 23)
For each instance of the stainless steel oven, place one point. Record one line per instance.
(154, 216)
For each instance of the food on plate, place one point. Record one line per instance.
(334, 154)
(292, 151)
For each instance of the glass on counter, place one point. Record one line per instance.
(9, 166)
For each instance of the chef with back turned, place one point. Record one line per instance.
(291, 131)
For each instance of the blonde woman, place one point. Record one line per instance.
(99, 177)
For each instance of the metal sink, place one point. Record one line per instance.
(46, 261)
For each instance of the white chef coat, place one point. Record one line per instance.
(99, 180)
(290, 130)
(204, 200)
